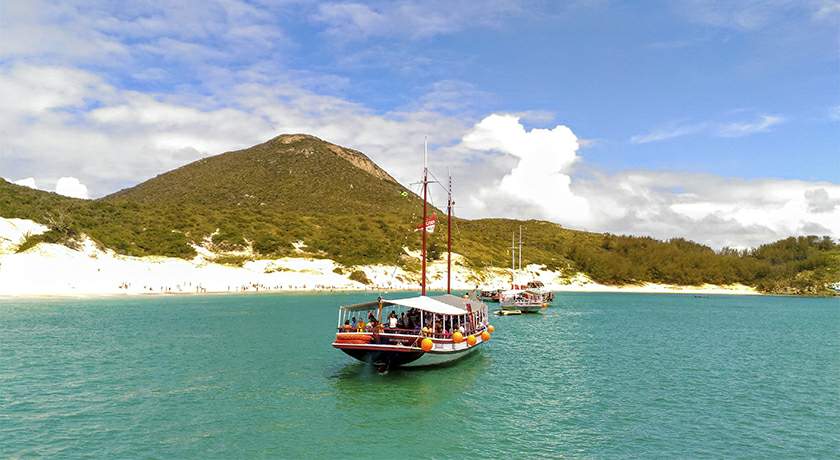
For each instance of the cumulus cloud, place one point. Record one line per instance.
(70, 186)
(710, 209)
(540, 179)
(819, 201)
(713, 210)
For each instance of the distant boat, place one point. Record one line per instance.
(490, 296)
(528, 298)
(418, 331)
(524, 301)
(537, 287)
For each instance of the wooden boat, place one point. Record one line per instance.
(529, 298)
(537, 287)
(437, 330)
(524, 301)
(418, 331)
(489, 296)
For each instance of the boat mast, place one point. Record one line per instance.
(449, 205)
(425, 211)
(520, 248)
(512, 260)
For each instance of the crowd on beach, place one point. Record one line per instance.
(253, 287)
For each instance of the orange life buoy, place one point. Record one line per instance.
(351, 336)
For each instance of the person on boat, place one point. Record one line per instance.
(353, 323)
(401, 322)
(392, 320)
(347, 327)
(360, 327)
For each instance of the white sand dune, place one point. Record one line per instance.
(56, 270)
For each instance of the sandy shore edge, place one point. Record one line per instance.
(51, 270)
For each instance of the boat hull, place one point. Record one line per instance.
(439, 358)
(385, 358)
(390, 356)
(528, 308)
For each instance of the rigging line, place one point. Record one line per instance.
(438, 181)
(407, 233)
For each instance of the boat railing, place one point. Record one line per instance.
(414, 333)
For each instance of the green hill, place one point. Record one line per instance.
(342, 206)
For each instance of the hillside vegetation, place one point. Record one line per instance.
(298, 188)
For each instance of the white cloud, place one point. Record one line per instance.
(28, 182)
(70, 186)
(667, 133)
(110, 138)
(742, 15)
(540, 179)
(826, 9)
(820, 201)
(69, 120)
(834, 113)
(709, 209)
(60, 118)
(412, 19)
(761, 124)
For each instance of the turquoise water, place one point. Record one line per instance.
(599, 375)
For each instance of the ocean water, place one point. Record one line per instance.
(598, 375)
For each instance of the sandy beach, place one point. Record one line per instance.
(56, 270)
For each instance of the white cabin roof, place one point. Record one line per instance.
(445, 305)
(428, 304)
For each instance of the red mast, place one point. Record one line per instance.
(449, 239)
(425, 186)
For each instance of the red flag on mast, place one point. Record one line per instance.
(429, 224)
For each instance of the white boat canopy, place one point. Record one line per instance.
(425, 303)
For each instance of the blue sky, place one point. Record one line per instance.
(616, 72)
(675, 106)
